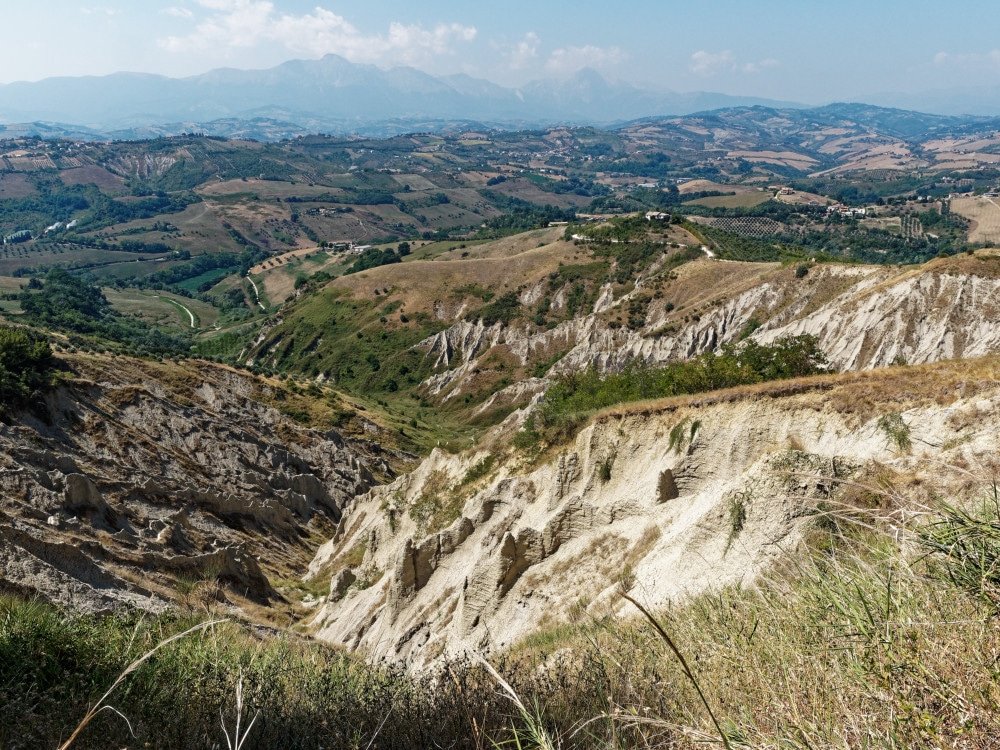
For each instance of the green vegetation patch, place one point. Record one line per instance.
(570, 399)
(65, 303)
(54, 666)
(351, 342)
(26, 366)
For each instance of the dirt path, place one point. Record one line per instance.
(182, 307)
(256, 292)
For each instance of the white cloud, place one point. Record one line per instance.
(98, 11)
(236, 24)
(757, 67)
(969, 60)
(178, 12)
(524, 54)
(567, 60)
(705, 63)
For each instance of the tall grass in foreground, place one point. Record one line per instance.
(885, 639)
(881, 638)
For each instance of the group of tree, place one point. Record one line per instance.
(373, 257)
(66, 303)
(519, 216)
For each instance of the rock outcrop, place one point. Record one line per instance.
(686, 495)
(135, 478)
(864, 317)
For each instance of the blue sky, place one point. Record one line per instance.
(805, 50)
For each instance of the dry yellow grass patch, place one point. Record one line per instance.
(698, 186)
(420, 283)
(984, 213)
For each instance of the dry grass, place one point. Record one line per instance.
(881, 637)
(984, 213)
(418, 284)
(850, 392)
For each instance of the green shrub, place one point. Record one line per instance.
(478, 470)
(737, 516)
(26, 365)
(501, 310)
(585, 392)
(896, 430)
(604, 470)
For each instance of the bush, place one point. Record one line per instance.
(748, 363)
(501, 310)
(26, 365)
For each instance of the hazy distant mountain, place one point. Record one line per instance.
(967, 100)
(336, 95)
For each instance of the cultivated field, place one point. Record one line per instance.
(92, 175)
(13, 185)
(276, 281)
(740, 200)
(10, 285)
(698, 186)
(984, 213)
(28, 255)
(779, 158)
(265, 189)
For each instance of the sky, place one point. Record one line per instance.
(795, 50)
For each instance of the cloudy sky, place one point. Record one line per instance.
(802, 50)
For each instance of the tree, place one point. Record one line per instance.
(26, 363)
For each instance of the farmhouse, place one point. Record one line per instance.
(846, 211)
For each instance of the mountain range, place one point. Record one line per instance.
(333, 94)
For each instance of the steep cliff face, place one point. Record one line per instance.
(136, 478)
(863, 316)
(687, 494)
